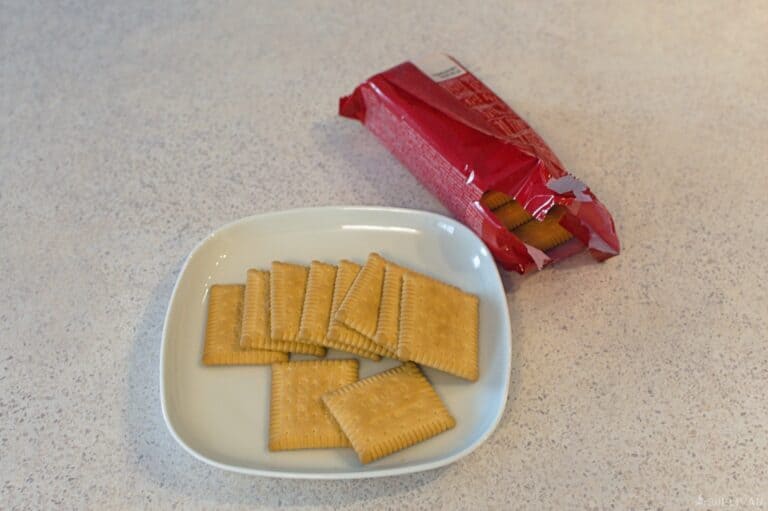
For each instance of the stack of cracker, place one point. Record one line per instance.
(376, 310)
(412, 317)
(544, 235)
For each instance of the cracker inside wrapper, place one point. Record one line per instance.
(462, 141)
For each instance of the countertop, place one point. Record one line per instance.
(130, 130)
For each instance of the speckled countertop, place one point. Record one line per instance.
(129, 130)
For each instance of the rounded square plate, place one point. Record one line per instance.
(220, 414)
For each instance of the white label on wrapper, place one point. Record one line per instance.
(439, 67)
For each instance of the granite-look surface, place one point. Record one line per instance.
(129, 130)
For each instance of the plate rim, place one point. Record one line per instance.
(384, 472)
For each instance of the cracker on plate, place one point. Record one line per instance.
(254, 332)
(389, 411)
(360, 308)
(438, 326)
(222, 331)
(387, 326)
(316, 319)
(338, 332)
(316, 311)
(287, 285)
(297, 417)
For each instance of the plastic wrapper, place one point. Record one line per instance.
(460, 140)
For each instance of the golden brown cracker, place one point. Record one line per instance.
(344, 275)
(343, 338)
(222, 332)
(547, 233)
(287, 284)
(354, 350)
(389, 411)
(512, 215)
(389, 312)
(297, 417)
(340, 345)
(493, 199)
(360, 308)
(339, 333)
(316, 311)
(438, 326)
(255, 325)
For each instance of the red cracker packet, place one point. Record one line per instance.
(461, 140)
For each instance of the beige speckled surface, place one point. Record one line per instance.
(129, 130)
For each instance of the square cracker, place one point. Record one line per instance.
(438, 326)
(297, 417)
(360, 308)
(222, 332)
(316, 312)
(320, 303)
(389, 411)
(287, 284)
(389, 311)
(254, 332)
(341, 334)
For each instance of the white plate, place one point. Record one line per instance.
(220, 414)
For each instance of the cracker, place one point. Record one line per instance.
(512, 215)
(345, 275)
(493, 199)
(316, 311)
(349, 348)
(255, 325)
(360, 308)
(222, 332)
(340, 334)
(389, 312)
(297, 417)
(547, 233)
(343, 338)
(438, 326)
(287, 284)
(389, 412)
(317, 285)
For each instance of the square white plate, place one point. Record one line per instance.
(220, 414)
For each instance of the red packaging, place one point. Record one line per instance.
(461, 140)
